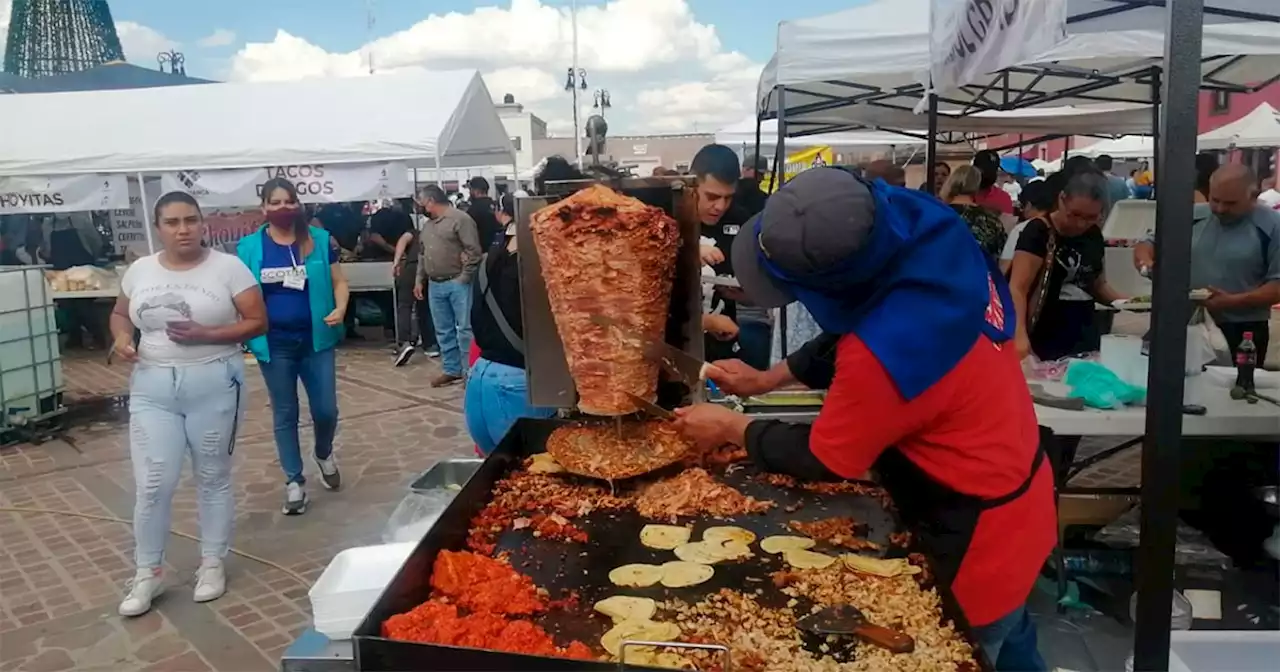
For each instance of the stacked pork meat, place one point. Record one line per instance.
(607, 254)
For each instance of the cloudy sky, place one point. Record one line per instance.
(670, 66)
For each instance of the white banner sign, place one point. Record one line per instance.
(128, 226)
(974, 38)
(63, 193)
(316, 183)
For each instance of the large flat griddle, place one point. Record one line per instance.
(613, 541)
(549, 382)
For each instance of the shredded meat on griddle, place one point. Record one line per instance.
(836, 531)
(694, 492)
(527, 494)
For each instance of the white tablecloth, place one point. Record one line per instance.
(1224, 416)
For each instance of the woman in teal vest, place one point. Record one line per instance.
(306, 296)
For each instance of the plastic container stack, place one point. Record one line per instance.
(30, 362)
(351, 584)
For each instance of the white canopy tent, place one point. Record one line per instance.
(845, 68)
(1125, 147)
(744, 133)
(426, 119)
(1259, 128)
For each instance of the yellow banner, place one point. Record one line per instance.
(801, 161)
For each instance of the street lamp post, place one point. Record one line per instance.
(176, 61)
(576, 81)
(602, 100)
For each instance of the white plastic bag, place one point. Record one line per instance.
(1206, 343)
(415, 515)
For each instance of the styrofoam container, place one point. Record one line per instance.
(351, 584)
(1218, 650)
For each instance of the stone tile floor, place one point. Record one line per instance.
(61, 577)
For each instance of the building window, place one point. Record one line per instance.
(515, 142)
(1221, 102)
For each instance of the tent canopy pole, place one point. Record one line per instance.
(146, 215)
(1170, 312)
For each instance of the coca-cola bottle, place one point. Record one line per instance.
(1246, 362)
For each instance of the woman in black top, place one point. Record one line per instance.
(960, 191)
(497, 390)
(1056, 275)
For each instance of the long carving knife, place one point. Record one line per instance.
(689, 369)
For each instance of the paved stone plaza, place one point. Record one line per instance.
(62, 577)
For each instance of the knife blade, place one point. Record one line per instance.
(689, 369)
(650, 407)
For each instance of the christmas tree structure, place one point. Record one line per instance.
(54, 37)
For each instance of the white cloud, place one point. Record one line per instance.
(665, 71)
(142, 43)
(218, 38)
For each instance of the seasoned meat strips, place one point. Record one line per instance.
(604, 253)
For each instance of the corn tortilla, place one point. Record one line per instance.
(646, 630)
(725, 533)
(637, 575)
(784, 543)
(664, 537)
(802, 559)
(626, 608)
(680, 574)
(701, 552)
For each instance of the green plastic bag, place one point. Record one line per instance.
(1099, 387)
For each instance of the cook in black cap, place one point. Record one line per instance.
(924, 386)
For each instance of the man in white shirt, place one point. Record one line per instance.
(1269, 196)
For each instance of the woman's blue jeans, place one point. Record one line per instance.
(1010, 643)
(291, 361)
(497, 395)
(175, 411)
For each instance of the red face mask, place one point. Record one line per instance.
(284, 217)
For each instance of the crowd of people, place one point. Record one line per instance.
(856, 248)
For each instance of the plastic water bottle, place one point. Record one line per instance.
(1180, 619)
(1246, 362)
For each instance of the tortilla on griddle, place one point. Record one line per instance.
(887, 568)
(602, 451)
(801, 559)
(627, 608)
(723, 533)
(784, 543)
(664, 537)
(636, 575)
(646, 630)
(701, 552)
(680, 574)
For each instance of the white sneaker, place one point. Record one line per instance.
(329, 475)
(295, 500)
(211, 581)
(144, 587)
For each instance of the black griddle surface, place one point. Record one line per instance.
(613, 540)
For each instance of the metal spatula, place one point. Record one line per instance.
(837, 630)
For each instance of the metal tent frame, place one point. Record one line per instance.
(1172, 84)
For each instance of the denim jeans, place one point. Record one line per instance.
(1010, 643)
(497, 395)
(291, 360)
(175, 411)
(451, 314)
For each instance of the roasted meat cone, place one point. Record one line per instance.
(604, 253)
